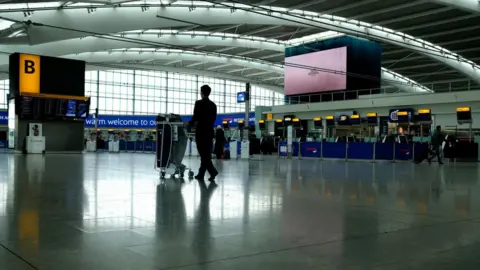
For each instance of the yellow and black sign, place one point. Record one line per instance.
(36, 74)
(29, 74)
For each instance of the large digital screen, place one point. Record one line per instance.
(316, 72)
(241, 97)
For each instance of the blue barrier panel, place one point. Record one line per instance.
(282, 149)
(295, 149)
(105, 146)
(311, 149)
(122, 145)
(420, 148)
(239, 148)
(403, 151)
(360, 150)
(138, 146)
(130, 146)
(334, 149)
(148, 146)
(384, 151)
(3, 144)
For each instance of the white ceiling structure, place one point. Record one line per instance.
(427, 44)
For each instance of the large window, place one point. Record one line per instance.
(4, 86)
(151, 92)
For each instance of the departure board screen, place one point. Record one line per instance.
(71, 110)
(52, 108)
(25, 107)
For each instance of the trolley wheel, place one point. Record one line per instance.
(172, 176)
(190, 174)
(162, 175)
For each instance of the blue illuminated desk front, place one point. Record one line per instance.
(356, 150)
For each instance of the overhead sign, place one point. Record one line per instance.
(393, 114)
(241, 97)
(149, 121)
(3, 118)
(29, 74)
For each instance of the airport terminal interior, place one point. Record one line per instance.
(346, 136)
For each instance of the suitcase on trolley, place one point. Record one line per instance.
(171, 145)
(164, 145)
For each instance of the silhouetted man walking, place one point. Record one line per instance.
(437, 141)
(204, 115)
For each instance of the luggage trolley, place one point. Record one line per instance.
(171, 145)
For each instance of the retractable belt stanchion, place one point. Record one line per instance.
(321, 148)
(374, 152)
(394, 148)
(346, 150)
(289, 141)
(299, 150)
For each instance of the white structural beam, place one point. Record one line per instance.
(258, 73)
(196, 64)
(127, 18)
(102, 57)
(401, 82)
(97, 44)
(408, 85)
(467, 5)
(219, 66)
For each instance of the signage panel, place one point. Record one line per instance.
(393, 116)
(149, 121)
(29, 74)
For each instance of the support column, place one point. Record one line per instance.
(166, 92)
(133, 92)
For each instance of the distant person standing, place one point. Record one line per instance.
(204, 115)
(219, 142)
(437, 141)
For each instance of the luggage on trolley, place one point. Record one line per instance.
(171, 146)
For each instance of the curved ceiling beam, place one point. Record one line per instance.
(467, 5)
(95, 44)
(399, 81)
(61, 24)
(187, 70)
(101, 57)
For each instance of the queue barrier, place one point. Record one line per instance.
(283, 149)
(134, 146)
(388, 151)
(4, 146)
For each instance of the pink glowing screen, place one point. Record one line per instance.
(313, 77)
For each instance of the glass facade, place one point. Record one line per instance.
(150, 92)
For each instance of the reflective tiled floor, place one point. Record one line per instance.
(108, 211)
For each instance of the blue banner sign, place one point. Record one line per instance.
(3, 118)
(149, 121)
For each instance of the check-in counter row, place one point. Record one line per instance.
(150, 146)
(366, 150)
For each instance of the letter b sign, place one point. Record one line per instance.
(29, 73)
(29, 67)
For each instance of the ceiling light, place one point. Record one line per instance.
(28, 13)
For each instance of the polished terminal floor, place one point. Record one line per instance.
(109, 211)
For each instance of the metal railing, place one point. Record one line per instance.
(371, 93)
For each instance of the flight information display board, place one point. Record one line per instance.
(41, 108)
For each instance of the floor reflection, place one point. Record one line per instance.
(101, 211)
